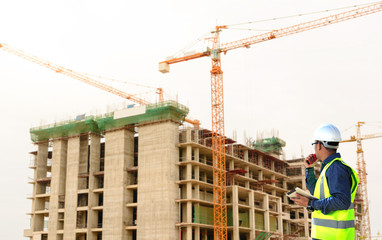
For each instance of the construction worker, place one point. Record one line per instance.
(335, 188)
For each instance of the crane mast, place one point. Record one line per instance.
(218, 141)
(364, 222)
(361, 168)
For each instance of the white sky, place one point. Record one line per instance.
(293, 84)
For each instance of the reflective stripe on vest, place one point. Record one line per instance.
(336, 224)
(333, 223)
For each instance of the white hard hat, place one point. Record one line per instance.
(329, 135)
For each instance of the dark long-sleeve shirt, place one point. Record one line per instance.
(339, 182)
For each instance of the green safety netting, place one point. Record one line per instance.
(273, 144)
(98, 124)
(259, 221)
(205, 215)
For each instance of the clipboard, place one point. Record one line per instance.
(293, 193)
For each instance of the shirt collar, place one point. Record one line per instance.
(329, 159)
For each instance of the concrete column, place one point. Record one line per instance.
(73, 160)
(260, 160)
(119, 155)
(272, 165)
(59, 155)
(287, 229)
(184, 155)
(285, 186)
(246, 168)
(251, 198)
(37, 221)
(157, 176)
(197, 196)
(235, 212)
(41, 162)
(189, 153)
(94, 165)
(204, 177)
(266, 213)
(196, 172)
(280, 216)
(260, 175)
(189, 210)
(196, 135)
(189, 190)
(84, 153)
(196, 154)
(197, 192)
(189, 233)
(188, 136)
(246, 155)
(197, 233)
(231, 165)
(306, 223)
(273, 177)
(188, 171)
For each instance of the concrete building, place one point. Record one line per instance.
(138, 173)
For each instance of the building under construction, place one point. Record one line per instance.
(138, 173)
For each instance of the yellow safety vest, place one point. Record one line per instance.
(336, 224)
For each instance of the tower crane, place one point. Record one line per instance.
(217, 101)
(365, 229)
(84, 78)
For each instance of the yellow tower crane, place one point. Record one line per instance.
(217, 100)
(363, 220)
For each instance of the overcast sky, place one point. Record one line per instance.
(292, 84)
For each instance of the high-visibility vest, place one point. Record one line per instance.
(336, 224)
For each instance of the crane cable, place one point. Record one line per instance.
(299, 15)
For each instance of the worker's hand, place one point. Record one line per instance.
(300, 200)
(311, 159)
